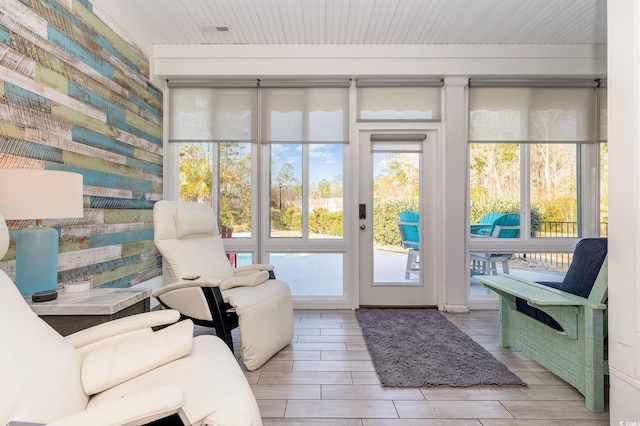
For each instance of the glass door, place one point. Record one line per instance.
(396, 241)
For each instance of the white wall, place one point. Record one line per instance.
(211, 61)
(624, 212)
(453, 63)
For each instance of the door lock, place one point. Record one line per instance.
(362, 226)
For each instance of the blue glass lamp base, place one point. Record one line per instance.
(36, 260)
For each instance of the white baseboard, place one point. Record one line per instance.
(623, 398)
(455, 309)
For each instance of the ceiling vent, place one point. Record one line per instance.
(214, 28)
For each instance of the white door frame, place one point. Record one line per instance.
(429, 176)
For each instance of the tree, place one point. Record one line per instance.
(195, 173)
(235, 186)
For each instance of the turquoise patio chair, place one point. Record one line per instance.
(409, 227)
(505, 226)
(485, 222)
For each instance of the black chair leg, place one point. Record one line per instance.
(223, 320)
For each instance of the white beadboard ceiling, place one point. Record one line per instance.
(349, 22)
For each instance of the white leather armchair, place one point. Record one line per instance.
(248, 297)
(117, 373)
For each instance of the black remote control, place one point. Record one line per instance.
(44, 296)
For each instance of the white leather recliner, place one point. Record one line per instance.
(117, 373)
(247, 297)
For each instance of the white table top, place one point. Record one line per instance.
(97, 301)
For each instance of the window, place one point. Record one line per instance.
(306, 129)
(214, 128)
(293, 169)
(535, 133)
(533, 151)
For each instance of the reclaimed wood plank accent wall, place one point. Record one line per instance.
(74, 96)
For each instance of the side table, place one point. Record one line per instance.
(72, 312)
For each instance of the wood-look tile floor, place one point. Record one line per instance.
(326, 377)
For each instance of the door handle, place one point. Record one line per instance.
(362, 211)
(362, 226)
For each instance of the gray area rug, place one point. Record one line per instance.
(420, 347)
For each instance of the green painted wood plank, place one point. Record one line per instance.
(138, 247)
(10, 130)
(157, 188)
(67, 245)
(149, 157)
(80, 119)
(125, 271)
(144, 125)
(52, 79)
(127, 216)
(98, 164)
(96, 268)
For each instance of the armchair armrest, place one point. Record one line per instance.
(534, 293)
(109, 366)
(178, 285)
(254, 267)
(248, 279)
(138, 408)
(122, 326)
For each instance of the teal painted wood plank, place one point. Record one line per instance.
(140, 133)
(138, 164)
(36, 151)
(143, 104)
(154, 91)
(26, 98)
(120, 238)
(5, 36)
(96, 202)
(121, 283)
(115, 113)
(87, 4)
(65, 15)
(69, 18)
(99, 140)
(115, 52)
(107, 180)
(73, 274)
(80, 52)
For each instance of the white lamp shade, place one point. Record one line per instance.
(40, 194)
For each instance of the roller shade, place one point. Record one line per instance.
(213, 114)
(399, 103)
(532, 114)
(304, 114)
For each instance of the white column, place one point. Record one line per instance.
(454, 174)
(623, 81)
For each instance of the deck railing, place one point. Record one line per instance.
(557, 230)
(565, 230)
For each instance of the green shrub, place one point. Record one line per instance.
(385, 224)
(481, 206)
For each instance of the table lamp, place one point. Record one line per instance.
(27, 194)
